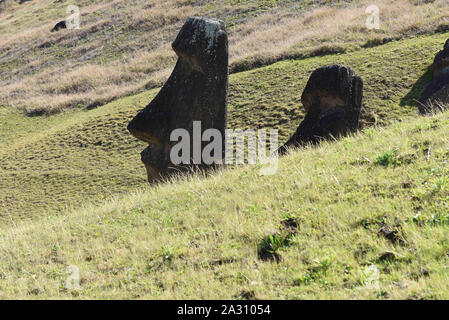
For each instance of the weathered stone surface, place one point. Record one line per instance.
(333, 100)
(59, 26)
(438, 89)
(195, 91)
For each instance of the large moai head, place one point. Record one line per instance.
(195, 91)
(438, 88)
(333, 100)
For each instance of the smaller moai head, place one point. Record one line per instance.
(334, 87)
(332, 99)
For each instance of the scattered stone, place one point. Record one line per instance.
(195, 91)
(266, 252)
(247, 295)
(437, 91)
(392, 234)
(389, 233)
(333, 100)
(422, 272)
(34, 291)
(407, 185)
(59, 26)
(290, 223)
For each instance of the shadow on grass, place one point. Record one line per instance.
(412, 98)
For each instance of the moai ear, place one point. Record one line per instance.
(333, 99)
(195, 91)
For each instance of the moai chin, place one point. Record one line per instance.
(438, 89)
(333, 100)
(195, 91)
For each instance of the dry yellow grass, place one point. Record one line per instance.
(124, 46)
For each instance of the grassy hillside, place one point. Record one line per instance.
(378, 199)
(49, 164)
(123, 46)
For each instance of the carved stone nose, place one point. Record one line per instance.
(195, 91)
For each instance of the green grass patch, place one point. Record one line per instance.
(49, 164)
(343, 230)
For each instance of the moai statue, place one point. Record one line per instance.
(333, 100)
(59, 26)
(438, 89)
(195, 91)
